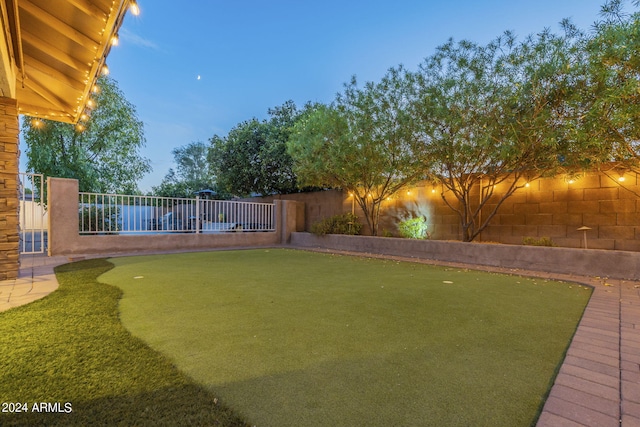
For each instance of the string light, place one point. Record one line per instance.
(621, 178)
(105, 70)
(115, 40)
(37, 123)
(134, 8)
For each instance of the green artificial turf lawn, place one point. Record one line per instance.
(294, 338)
(70, 350)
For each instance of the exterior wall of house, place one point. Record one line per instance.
(9, 204)
(64, 238)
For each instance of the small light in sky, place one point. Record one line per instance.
(198, 76)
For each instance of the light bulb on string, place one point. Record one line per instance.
(105, 70)
(134, 8)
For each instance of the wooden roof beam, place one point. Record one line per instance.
(51, 50)
(47, 72)
(90, 9)
(59, 26)
(49, 96)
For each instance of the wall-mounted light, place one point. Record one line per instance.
(527, 185)
(621, 178)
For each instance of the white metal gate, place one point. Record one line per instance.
(33, 214)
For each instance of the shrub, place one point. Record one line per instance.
(97, 220)
(542, 241)
(414, 228)
(337, 224)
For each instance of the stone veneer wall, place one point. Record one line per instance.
(9, 232)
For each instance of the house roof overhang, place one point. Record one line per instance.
(52, 52)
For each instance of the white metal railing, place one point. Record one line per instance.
(33, 213)
(128, 214)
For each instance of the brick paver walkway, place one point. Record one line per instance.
(599, 382)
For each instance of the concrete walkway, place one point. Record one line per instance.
(598, 384)
(35, 280)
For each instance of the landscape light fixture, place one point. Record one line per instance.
(584, 229)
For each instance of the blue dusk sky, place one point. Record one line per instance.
(196, 69)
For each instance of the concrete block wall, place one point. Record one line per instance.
(9, 204)
(317, 205)
(556, 208)
(549, 207)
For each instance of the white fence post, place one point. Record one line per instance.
(198, 214)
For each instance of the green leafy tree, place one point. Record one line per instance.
(194, 172)
(364, 143)
(104, 157)
(253, 159)
(238, 158)
(607, 104)
(491, 118)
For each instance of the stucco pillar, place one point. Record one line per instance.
(62, 206)
(9, 204)
(290, 216)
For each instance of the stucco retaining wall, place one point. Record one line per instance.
(64, 238)
(584, 262)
